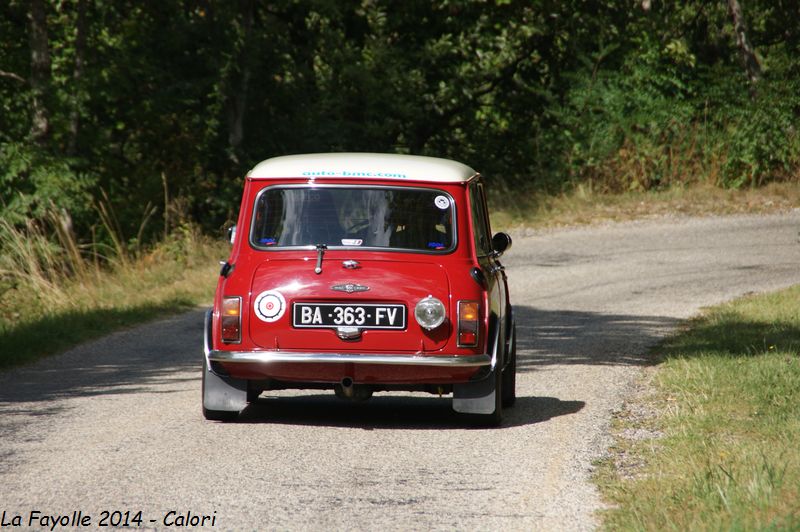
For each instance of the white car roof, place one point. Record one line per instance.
(363, 165)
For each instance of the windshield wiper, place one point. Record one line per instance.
(320, 251)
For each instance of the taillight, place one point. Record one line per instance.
(468, 314)
(231, 319)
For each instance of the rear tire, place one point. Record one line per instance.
(510, 372)
(495, 419)
(253, 394)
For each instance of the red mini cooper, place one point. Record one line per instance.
(362, 273)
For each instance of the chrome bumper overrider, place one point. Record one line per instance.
(402, 359)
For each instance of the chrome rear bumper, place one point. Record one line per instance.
(400, 359)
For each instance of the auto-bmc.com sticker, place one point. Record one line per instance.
(269, 306)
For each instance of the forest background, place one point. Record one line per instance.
(123, 122)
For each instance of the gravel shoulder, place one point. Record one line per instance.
(115, 424)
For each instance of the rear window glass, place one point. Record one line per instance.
(369, 217)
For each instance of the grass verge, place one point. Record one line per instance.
(42, 313)
(725, 406)
(584, 205)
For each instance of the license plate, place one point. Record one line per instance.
(365, 316)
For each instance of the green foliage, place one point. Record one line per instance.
(33, 183)
(153, 101)
(679, 110)
(763, 140)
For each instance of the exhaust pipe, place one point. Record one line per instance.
(347, 387)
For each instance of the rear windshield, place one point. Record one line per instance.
(370, 217)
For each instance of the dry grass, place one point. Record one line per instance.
(55, 293)
(584, 206)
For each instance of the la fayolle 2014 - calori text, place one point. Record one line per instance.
(126, 519)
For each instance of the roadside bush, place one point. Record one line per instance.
(33, 182)
(763, 143)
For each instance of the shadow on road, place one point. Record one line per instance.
(125, 362)
(393, 412)
(547, 337)
(153, 356)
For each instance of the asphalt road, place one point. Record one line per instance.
(115, 425)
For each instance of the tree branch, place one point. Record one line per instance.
(11, 75)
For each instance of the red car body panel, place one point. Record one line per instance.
(396, 277)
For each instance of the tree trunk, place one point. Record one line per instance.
(77, 78)
(237, 100)
(751, 65)
(40, 71)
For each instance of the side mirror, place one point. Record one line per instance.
(232, 234)
(501, 242)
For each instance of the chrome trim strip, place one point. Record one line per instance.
(428, 187)
(207, 337)
(400, 359)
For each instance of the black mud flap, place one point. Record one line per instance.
(480, 397)
(223, 394)
(476, 397)
(220, 394)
